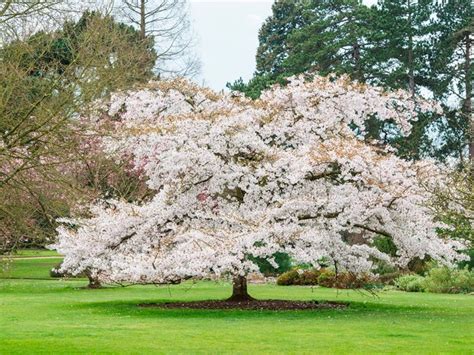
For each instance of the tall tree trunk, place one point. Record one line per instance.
(467, 105)
(356, 57)
(142, 19)
(411, 75)
(239, 290)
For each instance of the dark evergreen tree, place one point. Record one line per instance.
(423, 46)
(333, 41)
(401, 44)
(287, 15)
(452, 67)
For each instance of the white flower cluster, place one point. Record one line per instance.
(237, 179)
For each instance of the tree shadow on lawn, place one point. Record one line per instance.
(132, 308)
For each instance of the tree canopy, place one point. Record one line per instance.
(238, 180)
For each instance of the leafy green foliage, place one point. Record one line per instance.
(287, 16)
(445, 280)
(283, 261)
(385, 244)
(326, 278)
(469, 264)
(410, 283)
(301, 277)
(332, 41)
(255, 86)
(438, 280)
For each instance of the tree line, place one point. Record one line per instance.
(424, 46)
(57, 58)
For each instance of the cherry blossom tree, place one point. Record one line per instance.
(237, 180)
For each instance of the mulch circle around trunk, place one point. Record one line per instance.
(271, 305)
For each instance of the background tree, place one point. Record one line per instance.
(413, 35)
(333, 41)
(273, 35)
(415, 45)
(12, 13)
(47, 80)
(166, 23)
(317, 36)
(452, 63)
(401, 44)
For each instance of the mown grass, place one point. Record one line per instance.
(55, 316)
(31, 268)
(22, 253)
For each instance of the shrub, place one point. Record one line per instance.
(410, 283)
(309, 277)
(287, 278)
(391, 277)
(299, 277)
(384, 268)
(439, 280)
(468, 263)
(326, 278)
(346, 280)
(445, 280)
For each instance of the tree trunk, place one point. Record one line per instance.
(142, 20)
(239, 290)
(356, 58)
(411, 75)
(467, 105)
(93, 281)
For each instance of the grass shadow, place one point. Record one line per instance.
(131, 308)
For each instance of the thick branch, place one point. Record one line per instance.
(373, 230)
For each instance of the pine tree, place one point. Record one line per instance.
(287, 15)
(334, 41)
(400, 40)
(452, 61)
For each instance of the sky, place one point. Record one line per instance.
(227, 32)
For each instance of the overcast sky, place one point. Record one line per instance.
(228, 37)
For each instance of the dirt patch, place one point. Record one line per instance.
(271, 305)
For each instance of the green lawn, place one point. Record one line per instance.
(55, 316)
(34, 253)
(34, 268)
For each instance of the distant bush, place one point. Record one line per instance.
(468, 263)
(410, 283)
(325, 278)
(346, 280)
(390, 277)
(438, 280)
(384, 268)
(299, 277)
(445, 280)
